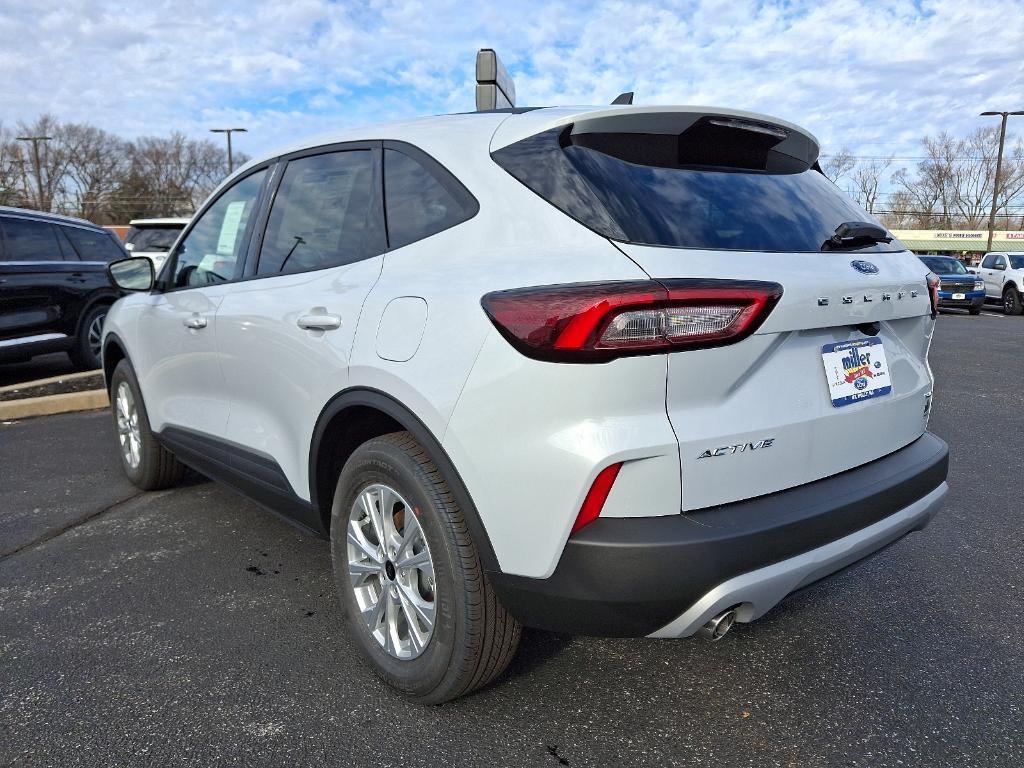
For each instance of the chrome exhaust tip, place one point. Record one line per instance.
(718, 627)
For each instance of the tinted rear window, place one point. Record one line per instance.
(672, 194)
(421, 201)
(29, 240)
(91, 245)
(153, 238)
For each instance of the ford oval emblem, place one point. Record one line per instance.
(864, 267)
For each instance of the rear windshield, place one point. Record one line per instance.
(677, 196)
(1016, 262)
(944, 266)
(153, 238)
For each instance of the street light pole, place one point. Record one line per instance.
(38, 166)
(229, 131)
(999, 168)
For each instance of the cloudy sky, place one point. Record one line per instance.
(874, 75)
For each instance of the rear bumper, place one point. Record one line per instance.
(666, 576)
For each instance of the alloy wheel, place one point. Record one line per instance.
(391, 571)
(94, 336)
(128, 433)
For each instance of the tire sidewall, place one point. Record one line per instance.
(123, 373)
(379, 462)
(83, 353)
(1011, 302)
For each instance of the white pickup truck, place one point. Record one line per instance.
(1003, 274)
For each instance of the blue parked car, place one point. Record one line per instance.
(957, 287)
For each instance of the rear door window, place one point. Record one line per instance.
(93, 246)
(421, 198)
(326, 213)
(698, 189)
(29, 240)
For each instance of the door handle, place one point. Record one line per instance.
(319, 322)
(195, 322)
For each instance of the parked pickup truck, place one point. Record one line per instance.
(1003, 274)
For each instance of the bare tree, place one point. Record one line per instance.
(838, 165)
(12, 190)
(43, 182)
(867, 179)
(96, 163)
(952, 186)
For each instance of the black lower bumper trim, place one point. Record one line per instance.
(627, 577)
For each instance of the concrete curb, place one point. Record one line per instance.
(50, 380)
(48, 405)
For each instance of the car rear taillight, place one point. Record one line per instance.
(597, 322)
(933, 293)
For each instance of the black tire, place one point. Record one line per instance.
(473, 637)
(975, 310)
(86, 354)
(1011, 301)
(157, 467)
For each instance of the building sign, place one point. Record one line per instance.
(958, 235)
(1015, 235)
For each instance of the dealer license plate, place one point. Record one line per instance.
(959, 296)
(856, 370)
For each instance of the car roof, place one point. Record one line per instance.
(177, 221)
(520, 122)
(57, 218)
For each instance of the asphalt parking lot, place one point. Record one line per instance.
(191, 627)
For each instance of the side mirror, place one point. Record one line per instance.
(134, 274)
(1000, 267)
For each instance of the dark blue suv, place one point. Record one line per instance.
(957, 287)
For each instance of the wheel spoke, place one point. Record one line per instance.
(390, 623)
(361, 572)
(387, 499)
(369, 504)
(411, 534)
(413, 615)
(372, 614)
(356, 538)
(416, 560)
(413, 604)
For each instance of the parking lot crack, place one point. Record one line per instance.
(68, 526)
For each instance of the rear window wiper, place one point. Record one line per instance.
(855, 234)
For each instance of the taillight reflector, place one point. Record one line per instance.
(597, 496)
(933, 293)
(597, 322)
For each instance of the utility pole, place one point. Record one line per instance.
(36, 140)
(999, 168)
(229, 131)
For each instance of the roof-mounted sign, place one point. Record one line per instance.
(494, 87)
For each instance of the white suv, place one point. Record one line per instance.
(615, 371)
(1003, 274)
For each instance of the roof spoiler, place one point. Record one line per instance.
(791, 140)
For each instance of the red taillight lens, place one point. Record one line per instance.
(933, 293)
(597, 496)
(596, 322)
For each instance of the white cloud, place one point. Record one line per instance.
(871, 75)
